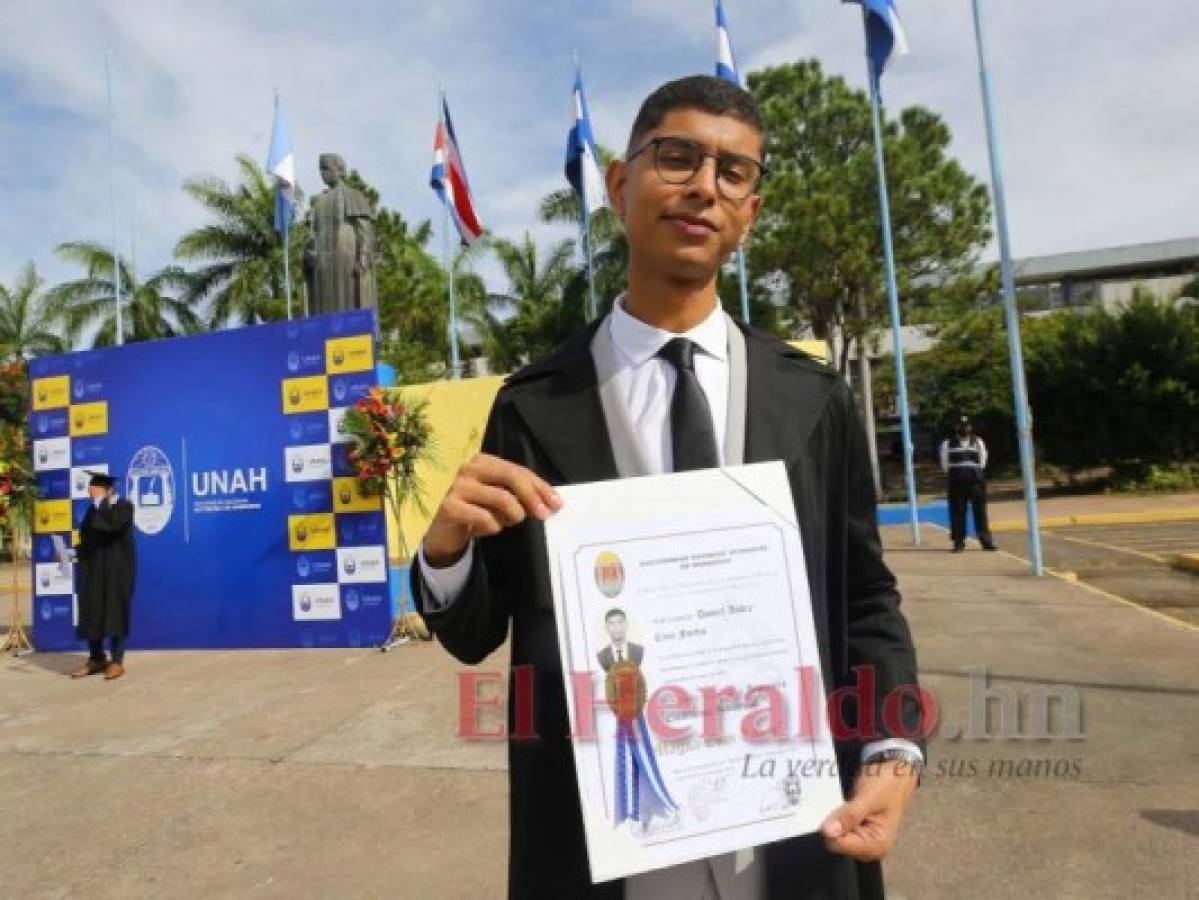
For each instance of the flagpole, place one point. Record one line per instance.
(286, 232)
(286, 265)
(1011, 314)
(585, 230)
(901, 378)
(455, 358)
(112, 200)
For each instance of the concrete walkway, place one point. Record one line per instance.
(337, 774)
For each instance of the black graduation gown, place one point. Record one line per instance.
(107, 568)
(548, 417)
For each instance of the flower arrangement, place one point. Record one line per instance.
(18, 484)
(391, 437)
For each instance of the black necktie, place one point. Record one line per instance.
(619, 656)
(691, 434)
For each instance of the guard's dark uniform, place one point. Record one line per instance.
(963, 457)
(107, 567)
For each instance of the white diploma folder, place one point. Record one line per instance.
(693, 675)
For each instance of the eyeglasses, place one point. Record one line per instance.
(678, 160)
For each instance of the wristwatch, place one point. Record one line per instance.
(897, 754)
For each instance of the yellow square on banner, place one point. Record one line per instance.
(348, 497)
(89, 418)
(305, 394)
(50, 516)
(349, 354)
(75, 538)
(51, 393)
(311, 532)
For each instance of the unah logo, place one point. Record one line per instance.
(352, 601)
(301, 533)
(47, 611)
(79, 420)
(338, 357)
(293, 361)
(45, 580)
(80, 482)
(344, 495)
(299, 498)
(42, 425)
(305, 603)
(350, 566)
(293, 397)
(41, 395)
(296, 430)
(297, 464)
(339, 390)
(150, 487)
(303, 567)
(78, 389)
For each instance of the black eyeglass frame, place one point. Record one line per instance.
(656, 143)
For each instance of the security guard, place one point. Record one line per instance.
(964, 460)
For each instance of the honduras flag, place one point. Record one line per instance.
(885, 36)
(582, 159)
(726, 65)
(281, 165)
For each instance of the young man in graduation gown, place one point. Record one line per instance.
(107, 567)
(668, 382)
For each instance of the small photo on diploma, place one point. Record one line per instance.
(696, 698)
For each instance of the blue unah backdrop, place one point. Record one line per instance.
(250, 529)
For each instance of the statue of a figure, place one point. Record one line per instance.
(339, 261)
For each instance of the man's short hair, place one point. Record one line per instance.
(612, 614)
(704, 93)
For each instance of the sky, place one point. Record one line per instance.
(1095, 103)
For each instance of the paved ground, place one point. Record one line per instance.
(328, 773)
(1133, 561)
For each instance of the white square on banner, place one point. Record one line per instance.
(315, 602)
(52, 454)
(53, 580)
(80, 479)
(337, 424)
(311, 463)
(361, 565)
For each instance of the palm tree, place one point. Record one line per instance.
(31, 322)
(148, 310)
(609, 246)
(241, 255)
(540, 319)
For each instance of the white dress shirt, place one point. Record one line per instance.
(646, 382)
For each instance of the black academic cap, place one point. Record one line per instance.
(100, 479)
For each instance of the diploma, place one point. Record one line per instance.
(693, 675)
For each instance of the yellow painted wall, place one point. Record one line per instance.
(458, 414)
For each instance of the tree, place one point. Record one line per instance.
(31, 323)
(817, 243)
(150, 309)
(536, 286)
(1118, 388)
(240, 277)
(413, 290)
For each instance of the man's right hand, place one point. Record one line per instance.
(488, 495)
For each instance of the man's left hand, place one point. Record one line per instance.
(867, 826)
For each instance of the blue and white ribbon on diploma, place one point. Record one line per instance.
(640, 791)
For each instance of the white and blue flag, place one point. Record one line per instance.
(582, 158)
(726, 63)
(885, 37)
(281, 165)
